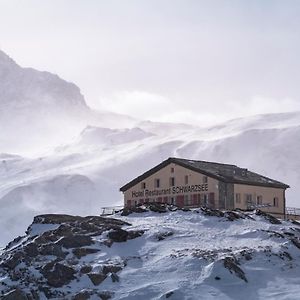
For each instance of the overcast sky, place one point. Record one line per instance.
(167, 60)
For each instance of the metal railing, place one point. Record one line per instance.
(257, 206)
(110, 210)
(292, 211)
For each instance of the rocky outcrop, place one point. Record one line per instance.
(97, 278)
(119, 235)
(57, 274)
(73, 257)
(163, 235)
(50, 260)
(268, 217)
(15, 295)
(231, 264)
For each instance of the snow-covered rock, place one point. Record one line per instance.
(198, 254)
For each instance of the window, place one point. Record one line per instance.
(259, 200)
(186, 179)
(248, 198)
(276, 201)
(172, 170)
(204, 179)
(172, 181)
(143, 185)
(156, 183)
(238, 198)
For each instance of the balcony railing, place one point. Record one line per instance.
(110, 210)
(292, 211)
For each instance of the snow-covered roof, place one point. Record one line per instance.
(223, 172)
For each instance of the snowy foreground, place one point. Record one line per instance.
(171, 255)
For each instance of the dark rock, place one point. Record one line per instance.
(289, 233)
(101, 221)
(114, 277)
(296, 242)
(212, 212)
(107, 243)
(55, 219)
(75, 220)
(89, 227)
(31, 250)
(169, 294)
(52, 249)
(13, 242)
(75, 241)
(46, 238)
(127, 211)
(80, 252)
(86, 269)
(242, 214)
(111, 269)
(105, 295)
(49, 293)
(63, 230)
(284, 255)
(295, 222)
(267, 216)
(185, 209)
(15, 295)
(231, 264)
(118, 235)
(158, 207)
(97, 278)
(232, 216)
(85, 295)
(246, 254)
(172, 208)
(217, 278)
(134, 234)
(34, 295)
(13, 260)
(162, 235)
(57, 274)
(15, 275)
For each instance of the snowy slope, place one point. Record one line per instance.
(109, 158)
(172, 255)
(69, 159)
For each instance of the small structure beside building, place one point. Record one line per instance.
(193, 183)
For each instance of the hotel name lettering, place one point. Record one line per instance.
(171, 191)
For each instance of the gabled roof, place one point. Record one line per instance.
(223, 172)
